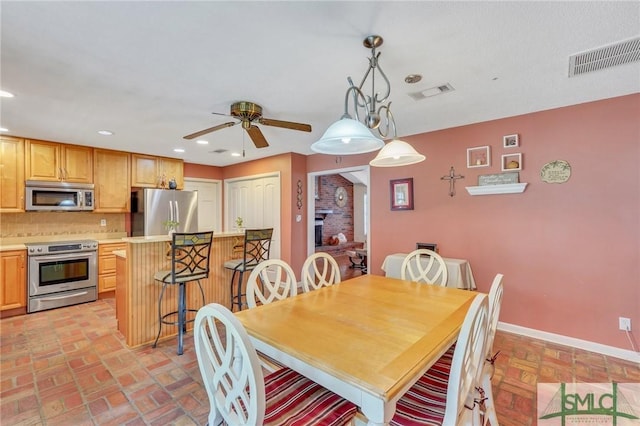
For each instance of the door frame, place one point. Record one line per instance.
(311, 202)
(218, 183)
(228, 224)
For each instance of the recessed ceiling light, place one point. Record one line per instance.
(178, 150)
(3, 129)
(105, 132)
(202, 142)
(5, 94)
(235, 154)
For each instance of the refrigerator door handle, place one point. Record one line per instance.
(177, 212)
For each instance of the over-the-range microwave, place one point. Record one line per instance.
(59, 196)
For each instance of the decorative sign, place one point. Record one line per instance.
(558, 171)
(499, 179)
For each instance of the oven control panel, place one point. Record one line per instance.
(61, 247)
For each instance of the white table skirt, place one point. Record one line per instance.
(459, 270)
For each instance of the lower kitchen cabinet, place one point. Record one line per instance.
(13, 285)
(107, 266)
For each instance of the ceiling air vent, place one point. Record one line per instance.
(218, 151)
(609, 56)
(432, 91)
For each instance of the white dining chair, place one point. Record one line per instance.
(426, 266)
(319, 270)
(270, 280)
(239, 393)
(444, 395)
(495, 302)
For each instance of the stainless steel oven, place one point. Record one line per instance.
(61, 274)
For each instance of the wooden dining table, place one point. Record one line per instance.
(367, 339)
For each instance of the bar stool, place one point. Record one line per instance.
(189, 262)
(257, 245)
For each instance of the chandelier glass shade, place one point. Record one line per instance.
(347, 136)
(397, 153)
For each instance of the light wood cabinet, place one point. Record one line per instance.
(107, 266)
(50, 161)
(11, 174)
(148, 171)
(112, 181)
(13, 286)
(172, 168)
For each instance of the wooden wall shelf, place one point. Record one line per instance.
(508, 188)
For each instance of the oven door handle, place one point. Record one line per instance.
(63, 297)
(64, 256)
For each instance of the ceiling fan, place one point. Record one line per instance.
(249, 113)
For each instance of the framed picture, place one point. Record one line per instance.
(510, 141)
(402, 194)
(512, 162)
(479, 156)
(428, 246)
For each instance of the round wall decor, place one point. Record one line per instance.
(557, 171)
(341, 196)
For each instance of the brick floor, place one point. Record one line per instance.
(70, 366)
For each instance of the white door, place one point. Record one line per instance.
(209, 202)
(256, 199)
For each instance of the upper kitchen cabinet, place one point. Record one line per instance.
(11, 174)
(172, 168)
(112, 179)
(156, 172)
(50, 161)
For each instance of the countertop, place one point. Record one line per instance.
(18, 243)
(156, 238)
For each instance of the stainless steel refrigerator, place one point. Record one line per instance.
(153, 211)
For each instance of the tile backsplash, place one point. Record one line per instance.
(32, 224)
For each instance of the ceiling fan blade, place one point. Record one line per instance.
(221, 113)
(210, 129)
(285, 124)
(257, 137)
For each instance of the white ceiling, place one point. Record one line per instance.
(153, 72)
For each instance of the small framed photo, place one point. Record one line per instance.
(428, 246)
(510, 141)
(479, 156)
(402, 194)
(512, 162)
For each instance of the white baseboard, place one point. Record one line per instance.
(571, 341)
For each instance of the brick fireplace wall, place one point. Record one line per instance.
(341, 220)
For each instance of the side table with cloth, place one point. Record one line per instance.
(459, 270)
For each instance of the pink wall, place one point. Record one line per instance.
(202, 171)
(570, 252)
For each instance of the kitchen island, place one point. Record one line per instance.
(137, 293)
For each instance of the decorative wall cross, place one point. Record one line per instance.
(452, 180)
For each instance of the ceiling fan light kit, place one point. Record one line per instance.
(350, 136)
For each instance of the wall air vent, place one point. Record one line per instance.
(619, 53)
(432, 91)
(218, 151)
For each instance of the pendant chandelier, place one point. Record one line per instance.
(349, 136)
